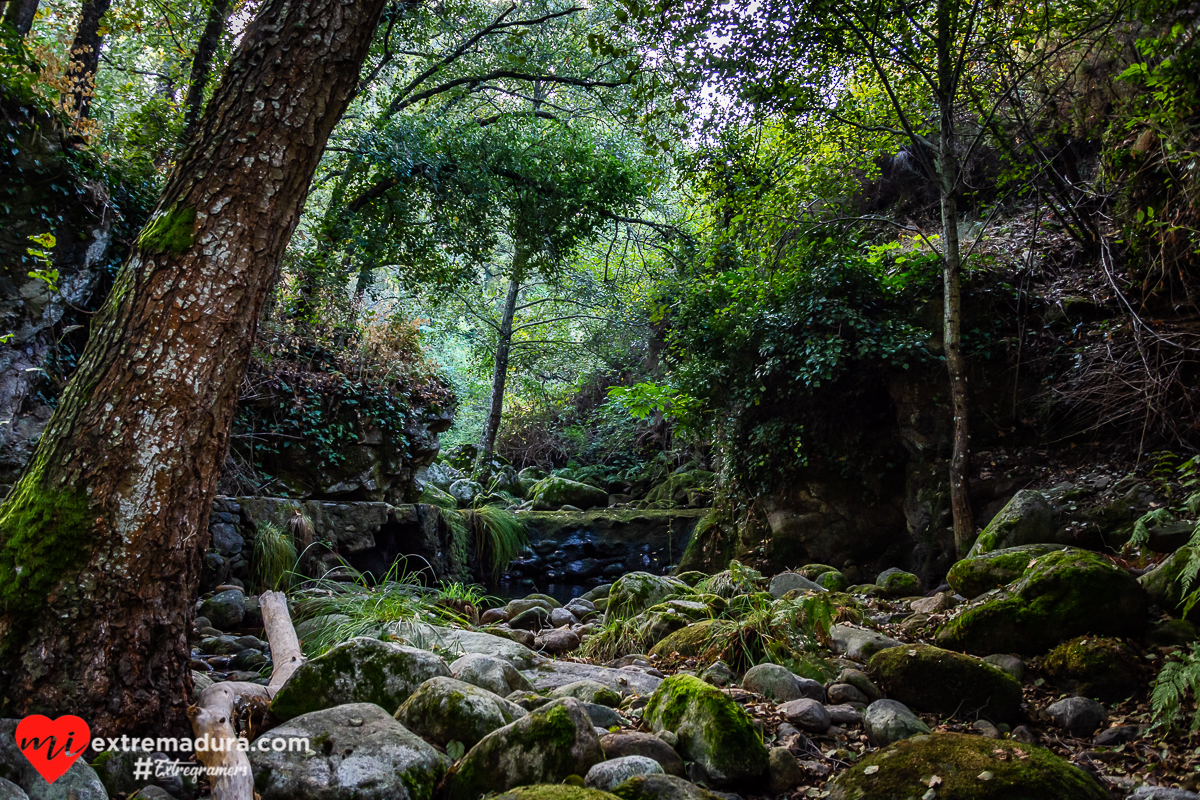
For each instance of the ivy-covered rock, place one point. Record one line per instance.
(357, 750)
(550, 494)
(1095, 667)
(550, 744)
(713, 731)
(930, 679)
(362, 670)
(1063, 595)
(973, 576)
(898, 583)
(1029, 518)
(970, 768)
(444, 710)
(1163, 586)
(637, 591)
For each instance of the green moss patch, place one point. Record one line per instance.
(973, 576)
(560, 791)
(970, 768)
(930, 679)
(169, 232)
(1104, 668)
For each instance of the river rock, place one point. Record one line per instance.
(1162, 793)
(1006, 662)
(464, 491)
(805, 714)
(1081, 716)
(490, 672)
(973, 576)
(1029, 518)
(80, 780)
(550, 675)
(1163, 586)
(638, 591)
(608, 775)
(785, 582)
(557, 641)
(785, 772)
(226, 609)
(550, 744)
(943, 682)
(617, 745)
(890, 721)
(532, 619)
(10, 791)
(860, 643)
(444, 710)
(898, 583)
(1095, 667)
(454, 640)
(718, 674)
(775, 682)
(516, 607)
(713, 730)
(551, 494)
(561, 617)
(694, 640)
(589, 691)
(358, 751)
(1065, 594)
(663, 787)
(362, 670)
(970, 768)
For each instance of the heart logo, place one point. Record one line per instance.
(52, 745)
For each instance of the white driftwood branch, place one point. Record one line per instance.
(212, 715)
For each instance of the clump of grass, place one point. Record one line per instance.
(617, 637)
(274, 556)
(737, 580)
(499, 536)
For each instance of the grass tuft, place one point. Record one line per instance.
(274, 556)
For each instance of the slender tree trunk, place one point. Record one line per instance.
(500, 374)
(206, 48)
(85, 55)
(960, 458)
(20, 14)
(102, 539)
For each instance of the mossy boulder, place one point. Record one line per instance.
(357, 750)
(464, 491)
(1028, 518)
(444, 710)
(694, 640)
(1163, 586)
(832, 581)
(674, 489)
(713, 731)
(898, 583)
(550, 494)
(550, 744)
(738, 579)
(635, 592)
(973, 576)
(662, 787)
(559, 791)
(433, 496)
(931, 679)
(970, 768)
(1065, 594)
(589, 691)
(362, 670)
(1092, 666)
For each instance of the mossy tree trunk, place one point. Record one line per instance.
(102, 539)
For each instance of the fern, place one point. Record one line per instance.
(1175, 681)
(1141, 528)
(1187, 576)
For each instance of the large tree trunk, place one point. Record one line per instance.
(102, 539)
(960, 458)
(206, 48)
(85, 55)
(500, 373)
(20, 14)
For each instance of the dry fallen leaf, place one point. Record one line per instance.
(871, 770)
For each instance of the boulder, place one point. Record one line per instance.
(775, 682)
(785, 582)
(973, 576)
(970, 768)
(898, 583)
(490, 672)
(718, 674)
(358, 751)
(608, 775)
(1163, 586)
(1148, 792)
(1080, 716)
(807, 715)
(550, 744)
(362, 670)
(616, 745)
(557, 641)
(785, 772)
(1029, 518)
(694, 640)
(636, 592)
(713, 730)
(663, 787)
(464, 491)
(1095, 667)
(560, 791)
(674, 490)
(553, 493)
(225, 609)
(589, 691)
(889, 721)
(552, 674)
(854, 642)
(444, 710)
(531, 619)
(832, 581)
(10, 791)
(943, 682)
(454, 640)
(431, 495)
(1065, 594)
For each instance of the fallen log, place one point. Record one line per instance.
(213, 715)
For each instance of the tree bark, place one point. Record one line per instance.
(102, 539)
(206, 48)
(20, 14)
(960, 458)
(500, 373)
(85, 55)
